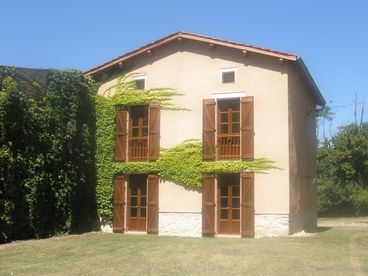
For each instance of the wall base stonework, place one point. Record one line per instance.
(271, 225)
(106, 228)
(180, 224)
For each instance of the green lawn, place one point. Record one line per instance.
(341, 250)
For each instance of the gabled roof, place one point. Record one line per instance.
(300, 66)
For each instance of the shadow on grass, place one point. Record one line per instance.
(321, 229)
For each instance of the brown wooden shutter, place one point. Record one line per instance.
(119, 203)
(208, 205)
(209, 129)
(154, 132)
(247, 205)
(152, 194)
(120, 133)
(247, 128)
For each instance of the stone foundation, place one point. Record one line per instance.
(106, 228)
(180, 224)
(271, 225)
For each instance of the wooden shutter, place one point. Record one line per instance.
(247, 128)
(119, 203)
(154, 131)
(152, 199)
(247, 205)
(208, 205)
(120, 133)
(209, 129)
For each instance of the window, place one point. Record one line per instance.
(228, 125)
(138, 133)
(228, 75)
(228, 128)
(140, 82)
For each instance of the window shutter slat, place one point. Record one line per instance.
(209, 129)
(208, 205)
(120, 133)
(152, 193)
(119, 204)
(247, 205)
(154, 132)
(247, 128)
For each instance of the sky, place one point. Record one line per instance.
(330, 36)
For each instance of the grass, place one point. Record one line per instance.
(341, 250)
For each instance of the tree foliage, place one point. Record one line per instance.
(343, 171)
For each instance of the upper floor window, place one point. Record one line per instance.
(228, 75)
(137, 133)
(228, 128)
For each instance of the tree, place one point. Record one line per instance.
(343, 171)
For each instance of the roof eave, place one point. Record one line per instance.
(305, 72)
(194, 37)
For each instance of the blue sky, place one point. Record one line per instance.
(331, 36)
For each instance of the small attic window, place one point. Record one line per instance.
(140, 82)
(228, 75)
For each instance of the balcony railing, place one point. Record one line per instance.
(228, 147)
(138, 149)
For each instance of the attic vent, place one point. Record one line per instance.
(228, 75)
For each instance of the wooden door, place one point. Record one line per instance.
(137, 203)
(119, 202)
(228, 129)
(228, 204)
(138, 133)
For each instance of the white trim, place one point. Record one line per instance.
(228, 95)
(229, 69)
(140, 78)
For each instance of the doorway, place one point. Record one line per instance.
(228, 204)
(137, 203)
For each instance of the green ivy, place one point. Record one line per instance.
(125, 92)
(47, 155)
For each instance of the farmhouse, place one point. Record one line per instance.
(244, 102)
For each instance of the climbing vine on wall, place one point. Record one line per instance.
(181, 164)
(125, 92)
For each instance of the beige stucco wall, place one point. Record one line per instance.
(302, 147)
(189, 201)
(193, 69)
